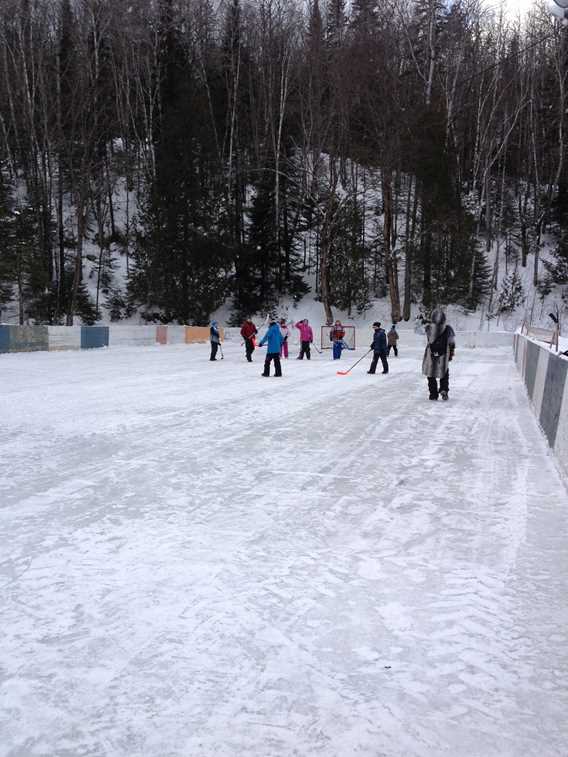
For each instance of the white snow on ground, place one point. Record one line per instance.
(197, 561)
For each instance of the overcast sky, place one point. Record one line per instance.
(516, 6)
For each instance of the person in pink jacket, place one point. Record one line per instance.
(285, 333)
(306, 338)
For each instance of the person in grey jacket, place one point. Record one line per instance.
(215, 339)
(380, 349)
(392, 339)
(440, 348)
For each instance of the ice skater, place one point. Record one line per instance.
(380, 349)
(285, 333)
(274, 339)
(438, 354)
(215, 339)
(248, 333)
(392, 339)
(336, 336)
(306, 338)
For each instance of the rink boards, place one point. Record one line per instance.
(55, 338)
(545, 375)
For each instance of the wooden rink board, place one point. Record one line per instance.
(200, 334)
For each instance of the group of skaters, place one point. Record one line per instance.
(276, 339)
(439, 350)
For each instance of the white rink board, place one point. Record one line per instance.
(64, 337)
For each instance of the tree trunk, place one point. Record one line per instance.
(78, 269)
(408, 254)
(390, 262)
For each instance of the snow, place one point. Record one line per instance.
(199, 561)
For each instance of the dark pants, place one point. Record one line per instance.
(376, 356)
(214, 348)
(444, 385)
(395, 348)
(304, 350)
(270, 356)
(249, 348)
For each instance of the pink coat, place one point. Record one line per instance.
(306, 333)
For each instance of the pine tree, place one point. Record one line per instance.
(363, 17)
(511, 294)
(336, 22)
(181, 261)
(348, 279)
(7, 243)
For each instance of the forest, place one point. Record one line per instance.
(185, 154)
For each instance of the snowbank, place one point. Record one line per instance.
(545, 374)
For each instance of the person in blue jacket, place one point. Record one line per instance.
(273, 338)
(215, 339)
(380, 349)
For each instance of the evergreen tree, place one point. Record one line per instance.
(181, 259)
(511, 294)
(7, 244)
(348, 276)
(336, 21)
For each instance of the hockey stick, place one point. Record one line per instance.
(345, 373)
(221, 348)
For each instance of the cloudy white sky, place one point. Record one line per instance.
(513, 7)
(517, 6)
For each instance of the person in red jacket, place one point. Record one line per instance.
(248, 333)
(336, 338)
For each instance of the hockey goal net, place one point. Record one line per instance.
(348, 339)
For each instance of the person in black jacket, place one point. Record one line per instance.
(380, 348)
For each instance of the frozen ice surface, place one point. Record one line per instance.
(197, 561)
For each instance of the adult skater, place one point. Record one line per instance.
(336, 336)
(392, 339)
(214, 338)
(380, 349)
(438, 354)
(274, 338)
(306, 338)
(284, 333)
(248, 332)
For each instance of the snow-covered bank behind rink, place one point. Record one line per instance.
(199, 561)
(545, 374)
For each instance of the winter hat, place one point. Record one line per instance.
(438, 317)
(376, 325)
(214, 323)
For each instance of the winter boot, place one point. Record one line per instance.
(444, 395)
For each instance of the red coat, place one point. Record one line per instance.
(248, 329)
(337, 333)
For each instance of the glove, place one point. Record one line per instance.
(451, 357)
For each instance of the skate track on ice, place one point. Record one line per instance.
(197, 561)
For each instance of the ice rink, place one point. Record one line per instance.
(198, 561)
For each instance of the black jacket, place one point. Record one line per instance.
(379, 341)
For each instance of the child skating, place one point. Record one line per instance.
(273, 338)
(306, 338)
(285, 333)
(336, 336)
